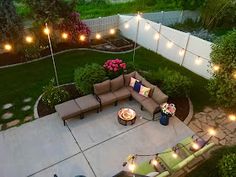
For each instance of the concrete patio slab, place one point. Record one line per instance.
(33, 146)
(96, 128)
(72, 167)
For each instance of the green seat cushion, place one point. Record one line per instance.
(187, 143)
(163, 174)
(144, 168)
(183, 163)
(204, 149)
(168, 159)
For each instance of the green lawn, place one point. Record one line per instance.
(20, 82)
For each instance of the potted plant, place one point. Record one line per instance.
(114, 67)
(167, 111)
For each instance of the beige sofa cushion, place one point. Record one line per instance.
(107, 98)
(122, 93)
(103, 87)
(87, 103)
(150, 105)
(139, 98)
(127, 78)
(117, 83)
(159, 96)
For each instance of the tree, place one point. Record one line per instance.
(75, 28)
(222, 85)
(11, 27)
(50, 10)
(219, 13)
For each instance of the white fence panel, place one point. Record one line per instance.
(102, 25)
(196, 57)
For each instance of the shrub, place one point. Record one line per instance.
(172, 82)
(223, 82)
(227, 165)
(88, 75)
(130, 67)
(54, 95)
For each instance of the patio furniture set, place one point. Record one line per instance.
(132, 86)
(168, 165)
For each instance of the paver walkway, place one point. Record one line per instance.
(95, 146)
(219, 121)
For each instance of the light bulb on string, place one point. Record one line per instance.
(156, 36)
(169, 44)
(181, 52)
(82, 37)
(98, 36)
(131, 166)
(195, 146)
(154, 161)
(147, 26)
(126, 25)
(198, 60)
(29, 39)
(174, 152)
(64, 35)
(8, 47)
(112, 31)
(211, 131)
(234, 74)
(216, 68)
(232, 117)
(138, 17)
(46, 30)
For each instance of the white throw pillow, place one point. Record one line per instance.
(132, 82)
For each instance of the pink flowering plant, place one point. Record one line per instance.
(114, 67)
(168, 109)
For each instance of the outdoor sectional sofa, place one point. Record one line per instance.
(110, 92)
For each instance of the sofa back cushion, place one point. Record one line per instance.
(117, 83)
(127, 78)
(159, 96)
(149, 85)
(139, 77)
(103, 87)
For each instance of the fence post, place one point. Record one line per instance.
(162, 16)
(181, 16)
(159, 32)
(186, 45)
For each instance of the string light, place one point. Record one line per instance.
(46, 30)
(147, 26)
(174, 152)
(7, 47)
(154, 161)
(82, 37)
(212, 132)
(98, 36)
(29, 39)
(198, 60)
(112, 31)
(181, 52)
(156, 36)
(169, 44)
(216, 68)
(131, 166)
(234, 74)
(126, 25)
(232, 117)
(64, 35)
(138, 17)
(195, 146)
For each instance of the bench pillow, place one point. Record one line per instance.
(149, 85)
(117, 83)
(145, 91)
(132, 82)
(127, 78)
(102, 88)
(137, 86)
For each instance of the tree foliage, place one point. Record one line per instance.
(219, 13)
(11, 27)
(50, 10)
(222, 86)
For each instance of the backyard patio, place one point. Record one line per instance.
(94, 146)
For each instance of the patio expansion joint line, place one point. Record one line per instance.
(117, 135)
(81, 151)
(53, 164)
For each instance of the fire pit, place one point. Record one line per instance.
(126, 116)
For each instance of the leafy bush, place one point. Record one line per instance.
(203, 34)
(88, 75)
(223, 83)
(130, 67)
(171, 82)
(227, 165)
(54, 95)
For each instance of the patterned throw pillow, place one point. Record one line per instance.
(144, 91)
(132, 81)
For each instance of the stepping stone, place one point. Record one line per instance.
(194, 127)
(207, 109)
(7, 106)
(26, 108)
(26, 100)
(220, 134)
(28, 118)
(12, 123)
(231, 126)
(223, 142)
(7, 115)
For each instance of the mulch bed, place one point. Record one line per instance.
(181, 103)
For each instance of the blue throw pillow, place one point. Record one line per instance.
(137, 86)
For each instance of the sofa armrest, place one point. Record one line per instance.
(97, 98)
